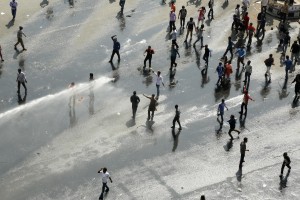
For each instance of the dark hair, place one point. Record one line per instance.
(245, 139)
(202, 197)
(223, 100)
(134, 92)
(285, 154)
(104, 169)
(176, 106)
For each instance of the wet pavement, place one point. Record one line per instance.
(54, 142)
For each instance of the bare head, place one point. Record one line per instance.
(176, 106)
(104, 169)
(19, 70)
(285, 154)
(158, 73)
(245, 139)
(134, 92)
(223, 100)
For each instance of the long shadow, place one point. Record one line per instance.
(219, 130)
(22, 100)
(198, 57)
(130, 123)
(283, 181)
(283, 94)
(17, 52)
(176, 139)
(10, 23)
(228, 145)
(205, 77)
(239, 174)
(44, 3)
(92, 100)
(225, 4)
(72, 112)
(122, 21)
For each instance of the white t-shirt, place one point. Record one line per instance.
(264, 2)
(105, 176)
(159, 80)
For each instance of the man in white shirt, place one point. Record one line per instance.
(13, 4)
(174, 37)
(21, 79)
(159, 80)
(105, 176)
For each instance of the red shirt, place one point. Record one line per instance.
(173, 7)
(246, 21)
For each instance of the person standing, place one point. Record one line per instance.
(207, 53)
(232, 122)
(269, 62)
(174, 53)
(122, 4)
(245, 102)
(20, 40)
(286, 162)
(221, 109)
(182, 15)
(21, 79)
(288, 66)
(190, 27)
(159, 81)
(116, 48)
(211, 9)
(1, 54)
(248, 71)
(176, 118)
(243, 149)
(295, 49)
(200, 36)
(149, 54)
(104, 176)
(172, 21)
(220, 71)
(135, 100)
(229, 48)
(241, 55)
(152, 106)
(174, 37)
(13, 5)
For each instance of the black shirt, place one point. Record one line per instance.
(295, 48)
(135, 100)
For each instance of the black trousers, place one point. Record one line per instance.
(283, 165)
(113, 53)
(104, 186)
(172, 24)
(152, 114)
(242, 108)
(231, 53)
(176, 119)
(134, 108)
(182, 22)
(247, 79)
(19, 84)
(148, 58)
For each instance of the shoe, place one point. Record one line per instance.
(110, 61)
(180, 128)
(280, 175)
(185, 41)
(106, 191)
(172, 126)
(15, 48)
(240, 112)
(2, 60)
(24, 49)
(239, 132)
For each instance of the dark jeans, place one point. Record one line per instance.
(172, 24)
(14, 12)
(240, 60)
(134, 108)
(220, 79)
(182, 22)
(283, 165)
(242, 108)
(222, 114)
(19, 84)
(242, 159)
(152, 114)
(104, 185)
(173, 62)
(210, 12)
(175, 43)
(247, 79)
(157, 90)
(113, 53)
(205, 58)
(231, 53)
(286, 74)
(201, 41)
(250, 40)
(148, 58)
(20, 41)
(232, 129)
(176, 119)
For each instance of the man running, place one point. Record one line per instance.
(250, 33)
(182, 15)
(104, 176)
(221, 109)
(232, 122)
(211, 9)
(269, 62)
(152, 106)
(116, 48)
(149, 54)
(245, 103)
(176, 118)
(286, 162)
(20, 40)
(21, 79)
(135, 100)
(243, 149)
(190, 27)
(207, 53)
(229, 48)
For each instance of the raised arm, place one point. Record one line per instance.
(146, 96)
(100, 170)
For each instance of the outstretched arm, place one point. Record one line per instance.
(100, 170)
(146, 96)
(112, 37)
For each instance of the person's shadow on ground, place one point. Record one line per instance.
(283, 181)
(10, 23)
(44, 3)
(239, 174)
(175, 137)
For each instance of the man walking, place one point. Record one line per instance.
(1, 54)
(229, 48)
(211, 9)
(241, 55)
(243, 149)
(221, 109)
(220, 71)
(295, 49)
(135, 100)
(174, 53)
(20, 40)
(174, 37)
(182, 15)
(149, 54)
(232, 122)
(172, 20)
(248, 71)
(159, 81)
(190, 27)
(152, 106)
(122, 4)
(269, 62)
(200, 35)
(206, 55)
(286, 162)
(104, 176)
(116, 48)
(250, 33)
(288, 66)
(13, 5)
(21, 79)
(176, 118)
(245, 102)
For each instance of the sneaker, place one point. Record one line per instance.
(172, 126)
(180, 128)
(110, 61)
(24, 49)
(2, 60)
(240, 112)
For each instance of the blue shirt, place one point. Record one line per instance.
(241, 52)
(288, 64)
(220, 70)
(117, 45)
(221, 107)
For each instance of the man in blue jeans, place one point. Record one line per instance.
(13, 4)
(105, 176)
(221, 109)
(116, 48)
(288, 66)
(159, 80)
